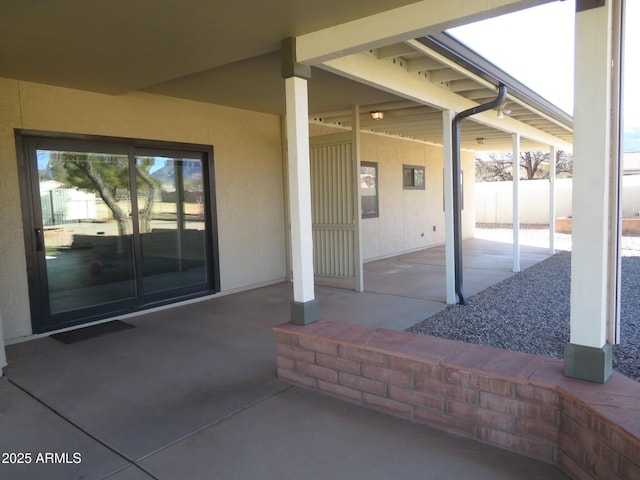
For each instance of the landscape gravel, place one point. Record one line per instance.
(529, 311)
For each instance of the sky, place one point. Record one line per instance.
(536, 47)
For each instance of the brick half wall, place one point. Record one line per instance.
(512, 400)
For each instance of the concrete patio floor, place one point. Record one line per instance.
(191, 392)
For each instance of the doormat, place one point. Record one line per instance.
(80, 334)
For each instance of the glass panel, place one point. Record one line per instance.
(369, 189)
(172, 222)
(86, 207)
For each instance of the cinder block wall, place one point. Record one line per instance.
(512, 400)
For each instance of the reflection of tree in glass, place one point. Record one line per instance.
(91, 171)
(151, 186)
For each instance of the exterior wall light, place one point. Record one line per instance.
(480, 140)
(377, 115)
(502, 111)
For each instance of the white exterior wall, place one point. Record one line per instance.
(407, 217)
(494, 200)
(248, 174)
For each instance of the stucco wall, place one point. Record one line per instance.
(407, 217)
(494, 200)
(248, 169)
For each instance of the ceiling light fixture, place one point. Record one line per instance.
(502, 111)
(378, 115)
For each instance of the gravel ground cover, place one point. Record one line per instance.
(529, 312)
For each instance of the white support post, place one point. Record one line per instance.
(588, 356)
(516, 202)
(304, 307)
(552, 199)
(447, 119)
(355, 146)
(3, 354)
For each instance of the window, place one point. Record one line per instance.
(369, 189)
(413, 177)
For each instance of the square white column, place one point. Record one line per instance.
(589, 355)
(450, 279)
(515, 137)
(304, 308)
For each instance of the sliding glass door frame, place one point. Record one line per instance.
(27, 144)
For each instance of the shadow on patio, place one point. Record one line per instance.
(191, 392)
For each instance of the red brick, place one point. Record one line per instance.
(626, 444)
(337, 363)
(601, 457)
(568, 466)
(285, 338)
(526, 446)
(452, 391)
(482, 416)
(361, 383)
(297, 378)
(519, 408)
(388, 405)
(416, 398)
(445, 422)
(572, 448)
(538, 394)
(285, 362)
(603, 429)
(535, 429)
(318, 345)
(389, 376)
(601, 470)
(429, 370)
(340, 391)
(362, 355)
(295, 353)
(462, 378)
(575, 411)
(495, 385)
(317, 371)
(628, 469)
(576, 432)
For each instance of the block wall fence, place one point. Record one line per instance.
(512, 400)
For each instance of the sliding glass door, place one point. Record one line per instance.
(114, 227)
(172, 222)
(86, 231)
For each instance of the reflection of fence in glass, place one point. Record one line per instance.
(67, 205)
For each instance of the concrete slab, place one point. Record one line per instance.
(301, 434)
(28, 427)
(421, 274)
(142, 389)
(191, 392)
(367, 308)
(134, 472)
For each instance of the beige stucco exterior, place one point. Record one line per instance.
(407, 217)
(249, 181)
(248, 169)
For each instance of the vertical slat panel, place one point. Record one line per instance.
(333, 211)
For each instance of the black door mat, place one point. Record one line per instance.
(80, 334)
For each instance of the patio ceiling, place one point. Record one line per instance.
(227, 53)
(444, 62)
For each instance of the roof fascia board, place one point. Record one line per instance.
(391, 78)
(399, 24)
(460, 54)
(565, 121)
